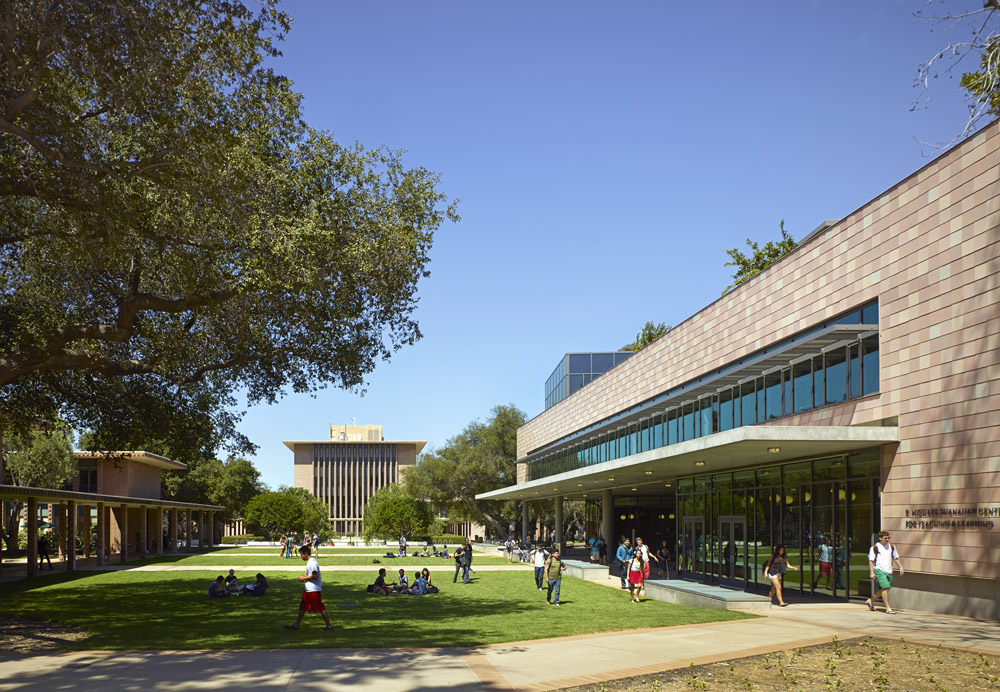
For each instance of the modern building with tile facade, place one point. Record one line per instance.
(347, 469)
(852, 386)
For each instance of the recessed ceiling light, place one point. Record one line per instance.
(670, 485)
(612, 478)
(585, 494)
(579, 485)
(649, 473)
(773, 450)
(555, 488)
(699, 463)
(634, 488)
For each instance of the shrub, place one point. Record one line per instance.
(242, 539)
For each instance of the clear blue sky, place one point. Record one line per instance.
(606, 155)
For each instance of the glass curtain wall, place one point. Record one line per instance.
(824, 511)
(847, 371)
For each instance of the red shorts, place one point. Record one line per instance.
(312, 602)
(825, 569)
(634, 577)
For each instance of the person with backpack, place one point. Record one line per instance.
(509, 545)
(880, 559)
(774, 570)
(554, 568)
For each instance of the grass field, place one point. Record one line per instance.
(171, 610)
(227, 559)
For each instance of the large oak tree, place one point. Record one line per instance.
(172, 232)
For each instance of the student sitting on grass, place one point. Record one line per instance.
(419, 587)
(217, 589)
(404, 582)
(232, 583)
(380, 587)
(258, 588)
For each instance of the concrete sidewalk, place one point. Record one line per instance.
(534, 665)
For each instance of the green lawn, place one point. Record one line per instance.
(229, 559)
(381, 549)
(170, 610)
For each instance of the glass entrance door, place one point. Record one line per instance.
(734, 562)
(692, 548)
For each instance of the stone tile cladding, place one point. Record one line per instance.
(929, 251)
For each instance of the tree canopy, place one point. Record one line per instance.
(479, 459)
(172, 231)
(649, 333)
(231, 484)
(391, 513)
(760, 257)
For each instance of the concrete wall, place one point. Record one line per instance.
(127, 478)
(929, 251)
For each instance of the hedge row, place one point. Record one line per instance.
(241, 539)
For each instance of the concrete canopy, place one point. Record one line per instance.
(738, 448)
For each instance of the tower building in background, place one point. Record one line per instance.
(348, 468)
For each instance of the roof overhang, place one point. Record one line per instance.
(17, 492)
(418, 444)
(141, 457)
(738, 448)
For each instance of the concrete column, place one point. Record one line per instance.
(61, 528)
(87, 547)
(32, 537)
(102, 526)
(608, 520)
(159, 531)
(189, 529)
(123, 530)
(524, 520)
(143, 547)
(71, 535)
(210, 529)
(172, 530)
(559, 522)
(201, 528)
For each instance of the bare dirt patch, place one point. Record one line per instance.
(854, 665)
(21, 635)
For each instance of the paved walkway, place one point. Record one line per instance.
(534, 665)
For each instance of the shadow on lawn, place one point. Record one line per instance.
(125, 610)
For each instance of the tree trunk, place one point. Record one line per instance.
(12, 527)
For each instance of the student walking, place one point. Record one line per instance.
(312, 597)
(624, 557)
(636, 571)
(880, 559)
(553, 573)
(775, 569)
(538, 555)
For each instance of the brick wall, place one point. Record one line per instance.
(929, 251)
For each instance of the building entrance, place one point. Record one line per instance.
(734, 568)
(825, 512)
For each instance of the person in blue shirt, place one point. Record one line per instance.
(624, 556)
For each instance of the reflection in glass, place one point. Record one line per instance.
(836, 375)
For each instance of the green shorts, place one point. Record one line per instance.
(884, 579)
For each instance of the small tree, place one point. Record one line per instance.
(648, 334)
(391, 513)
(315, 514)
(760, 259)
(39, 459)
(271, 513)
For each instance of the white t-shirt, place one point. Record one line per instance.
(645, 552)
(540, 556)
(312, 567)
(883, 560)
(825, 553)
